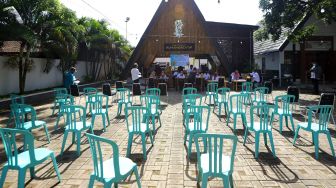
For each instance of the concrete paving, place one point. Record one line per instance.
(167, 164)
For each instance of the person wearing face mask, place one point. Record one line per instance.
(315, 76)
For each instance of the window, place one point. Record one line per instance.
(263, 65)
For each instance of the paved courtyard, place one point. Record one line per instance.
(167, 165)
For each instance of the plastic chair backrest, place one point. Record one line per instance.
(260, 110)
(96, 143)
(124, 94)
(222, 94)
(20, 114)
(136, 89)
(17, 99)
(89, 91)
(72, 117)
(238, 100)
(119, 85)
(189, 90)
(151, 83)
(198, 112)
(221, 82)
(60, 91)
(74, 90)
(136, 114)
(322, 117)
(269, 85)
(153, 102)
(96, 102)
(191, 99)
(327, 99)
(293, 90)
(10, 137)
(163, 89)
(216, 149)
(260, 94)
(107, 89)
(283, 102)
(212, 87)
(247, 87)
(153, 91)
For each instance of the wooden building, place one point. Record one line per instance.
(226, 46)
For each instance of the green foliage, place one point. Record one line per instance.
(284, 16)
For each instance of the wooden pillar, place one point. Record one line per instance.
(303, 74)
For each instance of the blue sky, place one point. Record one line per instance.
(141, 12)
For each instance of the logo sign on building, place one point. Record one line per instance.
(178, 28)
(179, 46)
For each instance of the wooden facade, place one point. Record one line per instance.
(232, 44)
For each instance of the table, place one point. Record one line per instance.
(238, 81)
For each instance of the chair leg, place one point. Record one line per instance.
(330, 144)
(78, 143)
(185, 137)
(226, 181)
(265, 139)
(53, 111)
(228, 119)
(316, 143)
(153, 122)
(151, 137)
(204, 181)
(32, 172)
(92, 122)
(22, 177)
(57, 121)
(129, 144)
(144, 151)
(231, 181)
(52, 156)
(234, 122)
(10, 118)
(108, 119)
(137, 177)
(257, 135)
(272, 143)
(92, 179)
(286, 117)
(190, 144)
(296, 134)
(160, 120)
(46, 131)
(104, 124)
(64, 141)
(292, 122)
(3, 175)
(280, 120)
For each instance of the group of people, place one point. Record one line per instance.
(255, 78)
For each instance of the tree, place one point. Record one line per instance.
(26, 22)
(284, 15)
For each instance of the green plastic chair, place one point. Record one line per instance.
(15, 99)
(67, 100)
(189, 90)
(317, 125)
(98, 107)
(197, 121)
(75, 125)
(89, 91)
(260, 123)
(247, 89)
(139, 125)
(237, 108)
(112, 170)
(283, 109)
(24, 160)
(58, 92)
(152, 103)
(124, 99)
(190, 100)
(21, 112)
(222, 98)
(216, 154)
(153, 91)
(260, 94)
(211, 92)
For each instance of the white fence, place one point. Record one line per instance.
(36, 78)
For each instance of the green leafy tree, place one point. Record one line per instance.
(284, 15)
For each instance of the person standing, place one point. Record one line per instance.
(70, 78)
(136, 75)
(315, 75)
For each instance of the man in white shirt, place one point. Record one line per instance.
(136, 75)
(255, 78)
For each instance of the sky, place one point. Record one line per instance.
(141, 12)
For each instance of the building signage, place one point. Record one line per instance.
(179, 46)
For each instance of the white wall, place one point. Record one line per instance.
(36, 78)
(272, 60)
